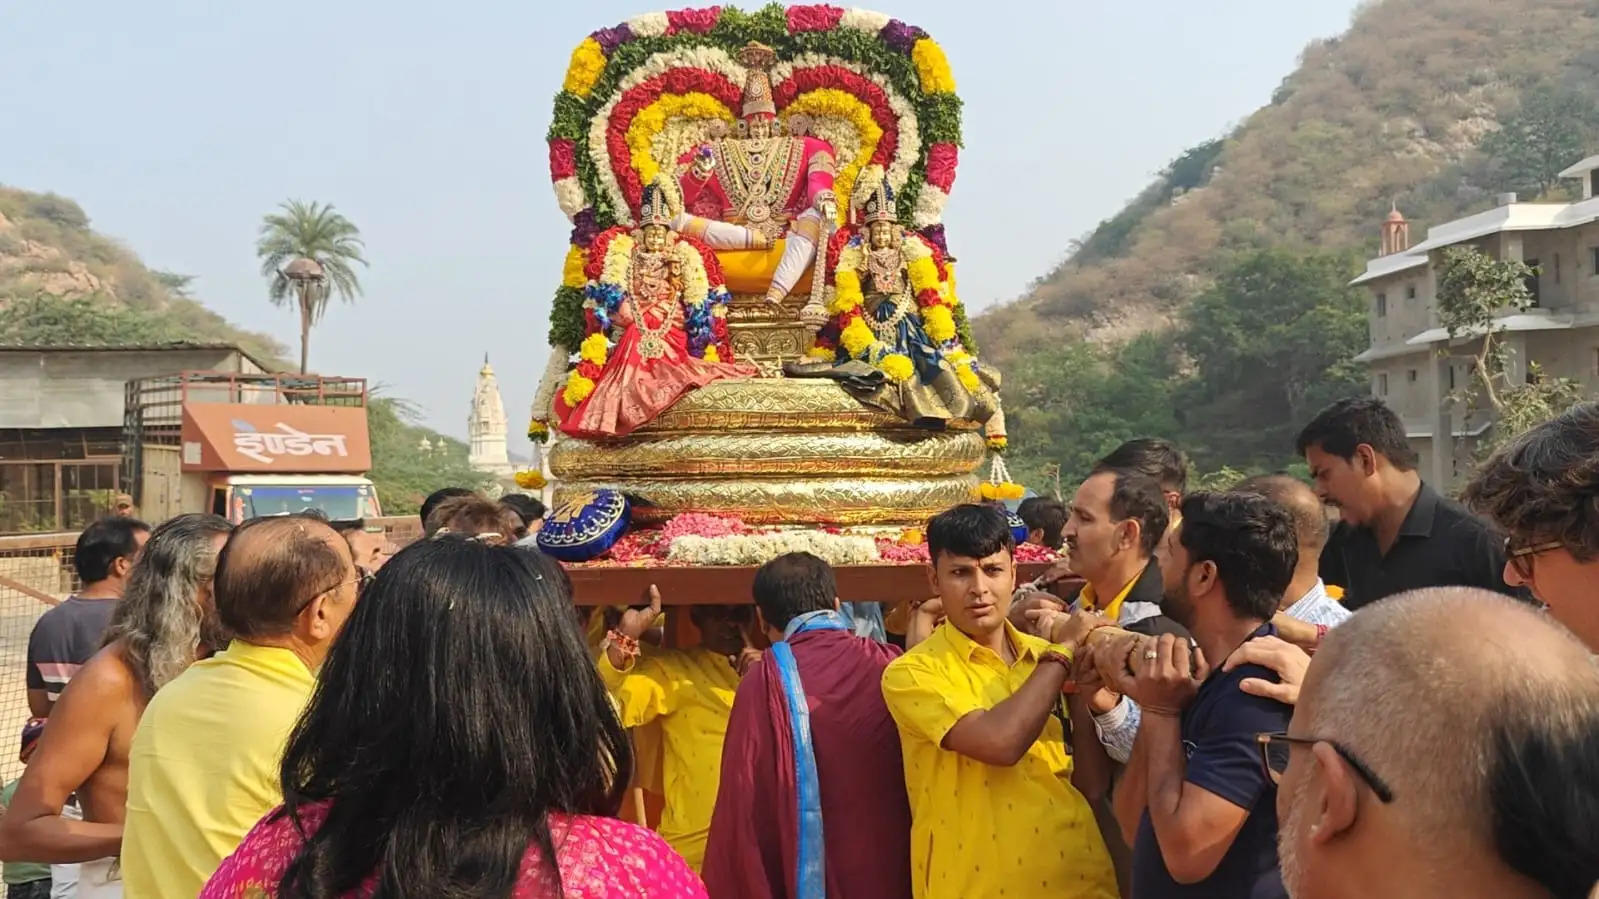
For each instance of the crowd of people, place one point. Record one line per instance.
(1214, 694)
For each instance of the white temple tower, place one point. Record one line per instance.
(485, 428)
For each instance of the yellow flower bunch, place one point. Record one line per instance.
(588, 62)
(537, 430)
(820, 353)
(932, 67)
(577, 389)
(856, 338)
(939, 323)
(897, 366)
(530, 479)
(968, 378)
(1002, 491)
(594, 348)
(998, 443)
(711, 355)
(923, 272)
(832, 103)
(572, 269)
(652, 120)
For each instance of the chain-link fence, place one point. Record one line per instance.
(35, 573)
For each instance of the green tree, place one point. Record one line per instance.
(48, 320)
(1069, 407)
(1475, 292)
(1271, 342)
(307, 251)
(1543, 137)
(403, 473)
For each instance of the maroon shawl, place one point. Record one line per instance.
(866, 818)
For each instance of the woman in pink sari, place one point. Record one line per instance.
(459, 744)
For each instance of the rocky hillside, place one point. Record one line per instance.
(1437, 105)
(61, 282)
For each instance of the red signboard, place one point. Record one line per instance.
(275, 438)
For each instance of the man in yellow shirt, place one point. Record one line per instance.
(203, 768)
(689, 692)
(994, 808)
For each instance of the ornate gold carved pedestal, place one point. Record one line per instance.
(773, 450)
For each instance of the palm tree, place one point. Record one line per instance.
(306, 252)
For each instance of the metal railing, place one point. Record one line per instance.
(36, 573)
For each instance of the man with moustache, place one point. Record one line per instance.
(1194, 801)
(1410, 771)
(997, 806)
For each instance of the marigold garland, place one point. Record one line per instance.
(588, 62)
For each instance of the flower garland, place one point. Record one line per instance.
(898, 57)
(758, 549)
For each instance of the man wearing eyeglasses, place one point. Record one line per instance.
(1543, 490)
(1411, 770)
(203, 766)
(1397, 533)
(1194, 800)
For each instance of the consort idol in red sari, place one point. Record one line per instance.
(659, 294)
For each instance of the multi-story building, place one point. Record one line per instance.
(1416, 367)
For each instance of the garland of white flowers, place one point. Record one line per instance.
(758, 549)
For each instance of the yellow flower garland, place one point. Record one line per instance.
(572, 269)
(615, 270)
(652, 119)
(711, 355)
(588, 62)
(897, 366)
(932, 67)
(939, 323)
(857, 337)
(832, 103)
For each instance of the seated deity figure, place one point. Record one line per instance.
(651, 290)
(889, 334)
(776, 184)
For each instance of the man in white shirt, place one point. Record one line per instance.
(1306, 601)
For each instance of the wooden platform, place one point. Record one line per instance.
(730, 585)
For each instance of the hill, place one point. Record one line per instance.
(1437, 105)
(63, 283)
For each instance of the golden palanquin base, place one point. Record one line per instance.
(777, 451)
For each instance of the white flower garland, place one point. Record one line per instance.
(758, 549)
(650, 24)
(929, 206)
(868, 20)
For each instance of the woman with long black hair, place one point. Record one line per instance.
(460, 744)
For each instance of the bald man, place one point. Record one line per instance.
(204, 763)
(1446, 745)
(1307, 612)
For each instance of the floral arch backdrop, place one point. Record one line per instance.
(638, 94)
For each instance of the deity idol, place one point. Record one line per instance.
(889, 335)
(778, 185)
(654, 287)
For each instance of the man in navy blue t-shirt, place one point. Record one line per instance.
(1196, 800)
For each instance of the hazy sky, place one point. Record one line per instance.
(177, 124)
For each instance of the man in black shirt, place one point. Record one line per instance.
(1397, 533)
(1195, 800)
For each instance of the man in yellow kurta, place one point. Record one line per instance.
(689, 694)
(994, 810)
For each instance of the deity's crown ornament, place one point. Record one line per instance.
(655, 206)
(879, 204)
(759, 59)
